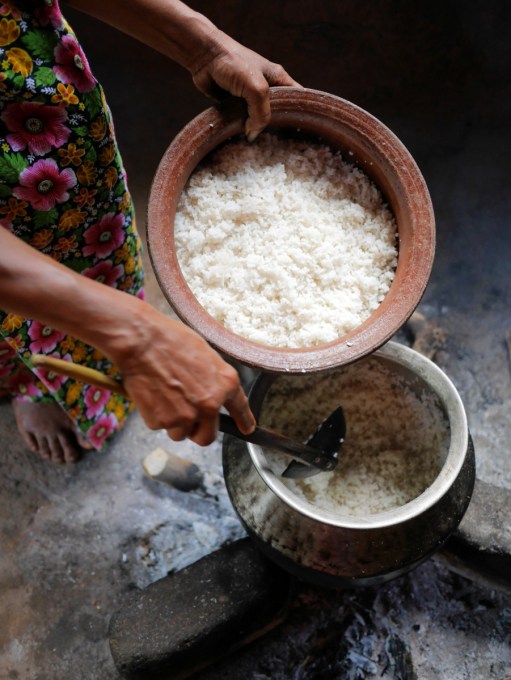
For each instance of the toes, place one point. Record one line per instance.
(50, 448)
(42, 448)
(61, 448)
(47, 431)
(84, 443)
(54, 447)
(30, 441)
(70, 450)
(57, 452)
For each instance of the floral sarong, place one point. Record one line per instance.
(63, 190)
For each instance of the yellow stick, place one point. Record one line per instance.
(82, 373)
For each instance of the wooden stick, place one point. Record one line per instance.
(82, 373)
(165, 466)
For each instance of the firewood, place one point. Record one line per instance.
(169, 468)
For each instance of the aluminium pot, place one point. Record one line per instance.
(339, 551)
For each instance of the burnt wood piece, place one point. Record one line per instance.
(167, 467)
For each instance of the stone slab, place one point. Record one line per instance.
(191, 618)
(480, 548)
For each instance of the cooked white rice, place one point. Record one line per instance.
(285, 243)
(396, 440)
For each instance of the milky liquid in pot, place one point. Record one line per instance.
(397, 436)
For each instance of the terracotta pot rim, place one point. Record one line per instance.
(371, 146)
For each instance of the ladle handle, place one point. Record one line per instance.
(275, 440)
(78, 372)
(260, 436)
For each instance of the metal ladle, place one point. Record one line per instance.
(319, 454)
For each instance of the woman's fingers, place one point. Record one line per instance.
(192, 413)
(241, 72)
(179, 383)
(239, 408)
(178, 432)
(205, 430)
(257, 95)
(195, 417)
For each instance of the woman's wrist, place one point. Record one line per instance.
(192, 40)
(129, 331)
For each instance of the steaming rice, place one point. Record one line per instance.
(284, 242)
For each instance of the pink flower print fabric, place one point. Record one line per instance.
(35, 127)
(103, 427)
(63, 190)
(43, 338)
(95, 400)
(72, 66)
(105, 236)
(44, 184)
(104, 272)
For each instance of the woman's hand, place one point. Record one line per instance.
(230, 67)
(174, 377)
(177, 381)
(218, 64)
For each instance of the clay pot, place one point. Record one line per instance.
(363, 140)
(340, 550)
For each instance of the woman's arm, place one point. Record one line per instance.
(214, 60)
(177, 381)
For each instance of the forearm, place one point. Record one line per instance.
(178, 382)
(216, 62)
(35, 286)
(168, 26)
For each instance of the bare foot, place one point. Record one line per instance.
(47, 431)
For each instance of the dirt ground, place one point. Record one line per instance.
(74, 541)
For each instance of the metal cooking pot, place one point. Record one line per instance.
(334, 550)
